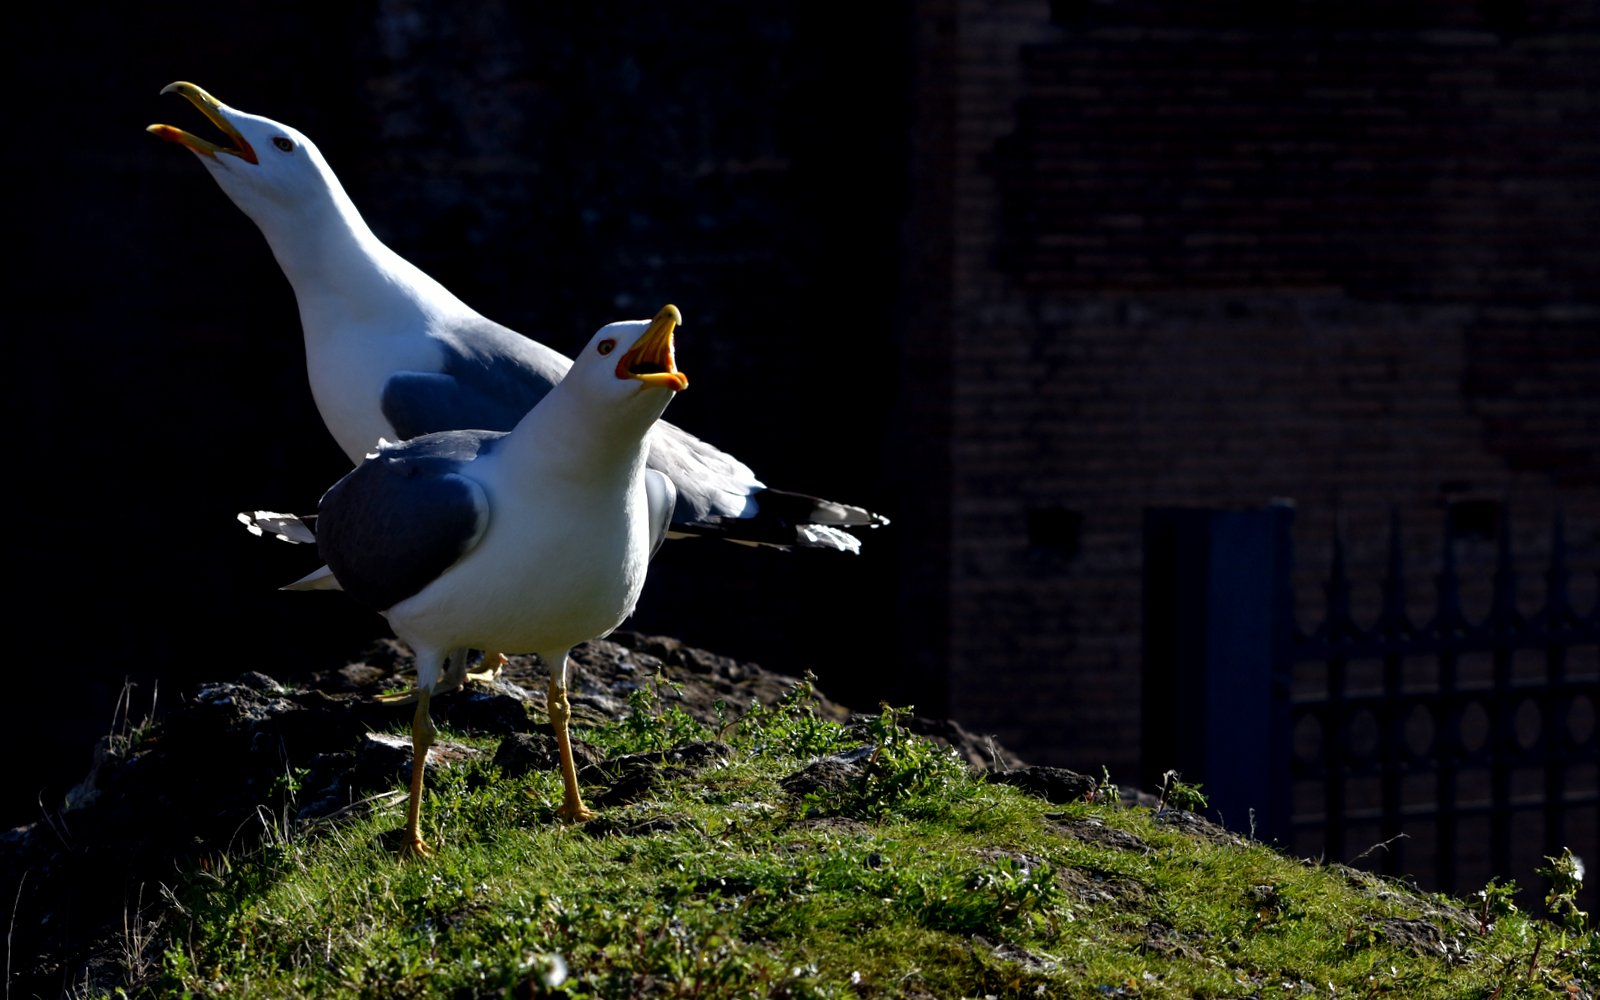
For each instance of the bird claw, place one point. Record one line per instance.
(574, 812)
(415, 847)
(495, 664)
(489, 668)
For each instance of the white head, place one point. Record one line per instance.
(628, 369)
(269, 169)
(632, 357)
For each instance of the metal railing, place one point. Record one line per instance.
(1461, 749)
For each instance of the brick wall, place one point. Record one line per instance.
(1339, 253)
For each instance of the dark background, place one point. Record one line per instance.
(557, 169)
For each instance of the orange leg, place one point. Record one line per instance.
(572, 808)
(422, 736)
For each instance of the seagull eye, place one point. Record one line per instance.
(606, 346)
(284, 143)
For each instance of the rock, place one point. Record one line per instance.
(1093, 831)
(1053, 784)
(521, 753)
(633, 776)
(497, 710)
(690, 756)
(829, 773)
(981, 753)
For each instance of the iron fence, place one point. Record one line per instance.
(1449, 750)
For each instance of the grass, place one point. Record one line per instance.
(913, 878)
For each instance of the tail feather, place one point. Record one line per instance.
(296, 530)
(786, 520)
(821, 536)
(290, 528)
(814, 510)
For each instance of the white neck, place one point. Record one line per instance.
(584, 443)
(342, 273)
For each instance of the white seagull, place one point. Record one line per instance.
(391, 353)
(531, 540)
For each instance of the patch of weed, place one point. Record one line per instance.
(903, 774)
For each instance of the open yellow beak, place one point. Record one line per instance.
(212, 109)
(650, 358)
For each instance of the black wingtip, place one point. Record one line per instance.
(787, 520)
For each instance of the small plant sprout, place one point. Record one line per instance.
(1561, 902)
(1106, 792)
(1494, 901)
(1179, 794)
(648, 726)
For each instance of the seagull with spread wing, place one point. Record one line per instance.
(531, 540)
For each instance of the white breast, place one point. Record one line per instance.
(553, 569)
(347, 373)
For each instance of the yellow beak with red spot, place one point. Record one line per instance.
(650, 358)
(212, 109)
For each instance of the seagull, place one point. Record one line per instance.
(391, 353)
(528, 540)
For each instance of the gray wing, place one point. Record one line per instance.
(400, 519)
(663, 499)
(491, 375)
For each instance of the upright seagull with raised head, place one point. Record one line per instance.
(391, 353)
(531, 540)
